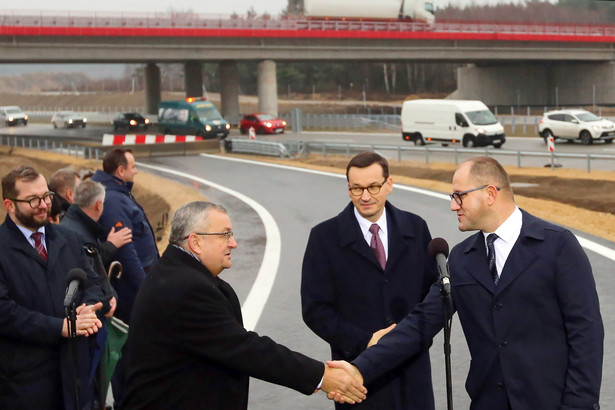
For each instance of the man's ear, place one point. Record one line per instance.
(70, 195)
(9, 205)
(99, 204)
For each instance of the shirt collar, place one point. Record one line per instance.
(28, 232)
(365, 223)
(510, 229)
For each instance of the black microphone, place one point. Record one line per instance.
(438, 248)
(75, 279)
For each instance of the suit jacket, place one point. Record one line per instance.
(188, 349)
(346, 296)
(35, 360)
(536, 339)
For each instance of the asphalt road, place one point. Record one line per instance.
(298, 200)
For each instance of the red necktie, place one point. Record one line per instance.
(38, 244)
(376, 245)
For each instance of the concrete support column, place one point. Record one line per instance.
(193, 79)
(229, 91)
(547, 84)
(152, 88)
(267, 88)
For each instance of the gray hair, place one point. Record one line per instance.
(88, 192)
(189, 218)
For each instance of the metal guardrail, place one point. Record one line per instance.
(247, 146)
(44, 144)
(297, 148)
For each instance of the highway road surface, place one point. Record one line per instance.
(273, 209)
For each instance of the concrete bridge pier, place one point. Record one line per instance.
(267, 86)
(152, 88)
(538, 83)
(193, 79)
(229, 91)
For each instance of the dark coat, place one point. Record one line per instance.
(188, 349)
(536, 340)
(346, 297)
(122, 210)
(34, 359)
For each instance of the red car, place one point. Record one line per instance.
(262, 124)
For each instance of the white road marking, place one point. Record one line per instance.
(259, 293)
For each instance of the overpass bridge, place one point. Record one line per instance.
(507, 64)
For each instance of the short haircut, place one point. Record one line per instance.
(189, 218)
(24, 173)
(486, 170)
(114, 158)
(365, 159)
(88, 192)
(62, 180)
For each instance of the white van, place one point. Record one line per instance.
(450, 121)
(13, 116)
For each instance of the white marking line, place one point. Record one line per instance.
(259, 293)
(585, 243)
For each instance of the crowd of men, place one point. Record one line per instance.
(523, 289)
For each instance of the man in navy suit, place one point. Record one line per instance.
(352, 294)
(528, 306)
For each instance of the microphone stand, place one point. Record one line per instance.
(447, 305)
(71, 320)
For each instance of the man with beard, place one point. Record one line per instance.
(35, 259)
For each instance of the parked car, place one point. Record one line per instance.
(130, 121)
(68, 119)
(576, 124)
(13, 115)
(262, 124)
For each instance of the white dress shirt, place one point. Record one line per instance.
(28, 234)
(382, 232)
(507, 233)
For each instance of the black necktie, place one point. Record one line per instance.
(491, 257)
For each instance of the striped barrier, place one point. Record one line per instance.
(112, 139)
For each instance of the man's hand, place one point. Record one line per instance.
(343, 383)
(113, 306)
(86, 323)
(378, 334)
(120, 238)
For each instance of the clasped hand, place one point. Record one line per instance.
(87, 323)
(343, 383)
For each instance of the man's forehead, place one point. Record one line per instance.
(37, 186)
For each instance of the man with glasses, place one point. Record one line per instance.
(526, 299)
(35, 363)
(187, 347)
(365, 270)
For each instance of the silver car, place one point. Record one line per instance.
(68, 119)
(576, 124)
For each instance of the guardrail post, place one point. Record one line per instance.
(518, 159)
(398, 153)
(426, 155)
(456, 156)
(589, 163)
(347, 150)
(324, 150)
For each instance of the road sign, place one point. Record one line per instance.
(252, 133)
(551, 144)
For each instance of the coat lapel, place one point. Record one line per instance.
(351, 235)
(398, 232)
(475, 262)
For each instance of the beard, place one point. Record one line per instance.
(32, 221)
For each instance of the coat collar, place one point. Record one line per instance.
(351, 235)
(520, 257)
(53, 240)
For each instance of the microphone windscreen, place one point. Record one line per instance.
(436, 246)
(76, 274)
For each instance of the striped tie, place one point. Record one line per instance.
(376, 245)
(38, 244)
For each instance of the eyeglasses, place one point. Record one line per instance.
(456, 196)
(227, 235)
(36, 201)
(372, 189)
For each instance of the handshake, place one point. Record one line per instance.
(343, 382)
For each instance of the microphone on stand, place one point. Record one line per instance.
(75, 279)
(438, 248)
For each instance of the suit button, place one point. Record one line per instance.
(497, 306)
(499, 386)
(502, 345)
